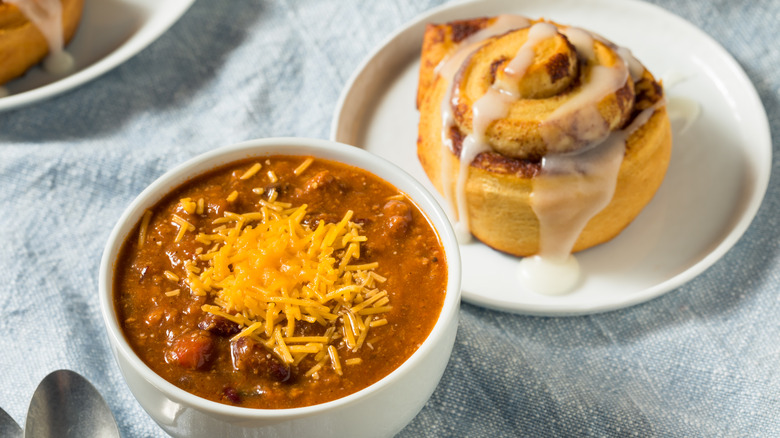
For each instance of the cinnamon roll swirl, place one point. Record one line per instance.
(545, 138)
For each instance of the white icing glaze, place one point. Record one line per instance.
(634, 66)
(582, 40)
(462, 233)
(449, 66)
(563, 214)
(548, 276)
(494, 105)
(591, 177)
(59, 63)
(470, 148)
(578, 119)
(447, 69)
(516, 68)
(46, 15)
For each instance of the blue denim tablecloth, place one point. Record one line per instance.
(702, 360)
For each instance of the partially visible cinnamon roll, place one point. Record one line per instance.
(32, 29)
(546, 139)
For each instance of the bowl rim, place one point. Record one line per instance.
(319, 148)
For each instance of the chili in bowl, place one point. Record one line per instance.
(282, 286)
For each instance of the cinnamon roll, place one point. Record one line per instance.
(545, 138)
(32, 29)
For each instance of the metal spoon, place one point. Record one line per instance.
(8, 427)
(66, 405)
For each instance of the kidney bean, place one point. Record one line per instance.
(218, 325)
(231, 395)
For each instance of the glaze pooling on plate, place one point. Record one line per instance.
(682, 232)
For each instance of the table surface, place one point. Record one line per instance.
(701, 360)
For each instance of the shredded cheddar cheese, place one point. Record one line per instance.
(303, 166)
(188, 205)
(334, 359)
(267, 272)
(251, 171)
(144, 227)
(171, 276)
(183, 225)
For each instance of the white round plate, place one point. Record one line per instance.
(110, 33)
(714, 186)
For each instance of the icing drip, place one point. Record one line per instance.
(590, 178)
(447, 70)
(46, 15)
(563, 214)
(634, 66)
(579, 120)
(449, 66)
(516, 68)
(491, 107)
(582, 40)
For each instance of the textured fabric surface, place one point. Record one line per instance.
(702, 360)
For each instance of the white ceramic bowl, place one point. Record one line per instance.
(382, 409)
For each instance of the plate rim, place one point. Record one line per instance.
(760, 181)
(149, 31)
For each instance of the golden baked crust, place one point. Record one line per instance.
(21, 43)
(500, 181)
